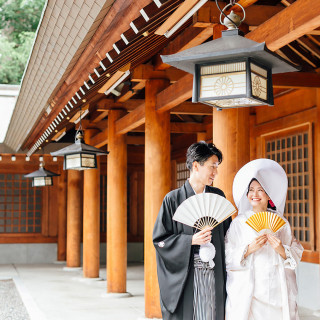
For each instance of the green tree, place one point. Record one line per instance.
(13, 58)
(18, 23)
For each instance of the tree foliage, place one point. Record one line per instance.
(18, 23)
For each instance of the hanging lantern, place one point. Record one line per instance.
(79, 156)
(41, 177)
(231, 71)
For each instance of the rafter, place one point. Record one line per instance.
(288, 25)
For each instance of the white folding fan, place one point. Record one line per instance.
(265, 220)
(201, 211)
(204, 210)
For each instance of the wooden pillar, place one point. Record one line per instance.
(231, 134)
(116, 207)
(157, 185)
(62, 216)
(74, 213)
(91, 217)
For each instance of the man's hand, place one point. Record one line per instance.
(276, 244)
(202, 237)
(256, 244)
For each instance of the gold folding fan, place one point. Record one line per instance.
(204, 210)
(265, 220)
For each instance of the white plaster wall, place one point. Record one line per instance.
(28, 253)
(308, 279)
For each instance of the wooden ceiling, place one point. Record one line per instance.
(292, 34)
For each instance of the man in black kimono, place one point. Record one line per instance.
(176, 244)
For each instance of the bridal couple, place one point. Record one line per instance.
(253, 277)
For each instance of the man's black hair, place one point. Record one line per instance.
(201, 152)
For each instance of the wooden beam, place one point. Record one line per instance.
(146, 72)
(209, 15)
(131, 120)
(108, 104)
(243, 3)
(130, 93)
(175, 94)
(59, 134)
(187, 127)
(288, 25)
(296, 80)
(99, 140)
(97, 116)
(115, 77)
(190, 108)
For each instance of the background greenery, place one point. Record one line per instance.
(18, 24)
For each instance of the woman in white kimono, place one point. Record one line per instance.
(261, 279)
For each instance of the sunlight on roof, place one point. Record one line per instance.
(8, 97)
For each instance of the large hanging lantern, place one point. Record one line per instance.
(231, 71)
(41, 177)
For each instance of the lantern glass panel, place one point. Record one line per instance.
(80, 161)
(72, 161)
(41, 181)
(88, 160)
(259, 82)
(219, 80)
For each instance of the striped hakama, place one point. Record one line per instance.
(204, 291)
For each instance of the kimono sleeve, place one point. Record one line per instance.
(236, 247)
(173, 250)
(292, 247)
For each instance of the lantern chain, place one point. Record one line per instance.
(79, 133)
(231, 4)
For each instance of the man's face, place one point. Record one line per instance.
(206, 173)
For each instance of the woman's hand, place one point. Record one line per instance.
(202, 237)
(276, 244)
(256, 244)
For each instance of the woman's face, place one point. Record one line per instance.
(257, 197)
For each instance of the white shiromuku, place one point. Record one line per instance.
(262, 285)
